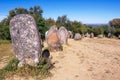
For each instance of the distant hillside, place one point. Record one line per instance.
(96, 25)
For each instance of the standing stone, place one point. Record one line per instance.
(109, 35)
(100, 36)
(87, 35)
(70, 35)
(77, 36)
(53, 40)
(91, 35)
(26, 40)
(63, 34)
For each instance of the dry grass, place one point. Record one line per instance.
(5, 52)
(87, 59)
(10, 71)
(5, 49)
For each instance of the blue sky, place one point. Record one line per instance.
(86, 11)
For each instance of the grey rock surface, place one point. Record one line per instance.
(100, 36)
(53, 39)
(87, 35)
(63, 34)
(26, 40)
(46, 33)
(91, 35)
(77, 36)
(109, 35)
(70, 34)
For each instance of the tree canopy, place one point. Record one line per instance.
(44, 24)
(115, 23)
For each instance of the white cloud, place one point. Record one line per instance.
(2, 17)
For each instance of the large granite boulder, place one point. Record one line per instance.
(87, 35)
(70, 34)
(77, 36)
(26, 40)
(91, 35)
(100, 36)
(53, 39)
(63, 34)
(109, 35)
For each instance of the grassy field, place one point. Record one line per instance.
(10, 71)
(5, 49)
(86, 59)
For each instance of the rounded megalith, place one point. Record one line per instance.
(77, 36)
(109, 35)
(87, 35)
(91, 35)
(26, 40)
(100, 36)
(70, 34)
(52, 38)
(63, 34)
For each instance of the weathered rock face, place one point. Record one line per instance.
(87, 35)
(53, 40)
(46, 33)
(26, 39)
(70, 35)
(109, 35)
(77, 36)
(63, 34)
(100, 36)
(91, 35)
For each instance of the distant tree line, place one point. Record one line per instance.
(44, 24)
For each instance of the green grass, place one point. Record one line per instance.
(5, 42)
(11, 69)
(39, 72)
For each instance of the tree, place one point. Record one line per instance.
(4, 33)
(50, 22)
(35, 11)
(77, 27)
(115, 26)
(115, 23)
(61, 21)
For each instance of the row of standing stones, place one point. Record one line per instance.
(79, 36)
(55, 38)
(26, 40)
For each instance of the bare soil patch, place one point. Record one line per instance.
(88, 59)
